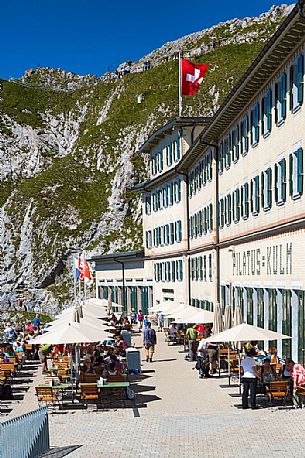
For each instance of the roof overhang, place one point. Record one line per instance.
(118, 257)
(176, 123)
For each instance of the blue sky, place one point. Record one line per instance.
(94, 36)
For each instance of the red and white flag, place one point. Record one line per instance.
(84, 270)
(191, 76)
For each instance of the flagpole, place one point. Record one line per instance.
(85, 294)
(180, 96)
(75, 281)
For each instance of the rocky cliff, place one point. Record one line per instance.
(68, 151)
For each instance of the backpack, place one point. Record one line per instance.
(152, 336)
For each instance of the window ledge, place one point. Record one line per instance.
(254, 145)
(296, 197)
(281, 203)
(296, 109)
(267, 134)
(280, 123)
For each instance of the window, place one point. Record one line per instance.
(148, 205)
(205, 268)
(280, 99)
(205, 220)
(209, 166)
(169, 155)
(200, 225)
(272, 322)
(173, 271)
(220, 158)
(177, 186)
(266, 112)
(210, 222)
(164, 197)
(266, 189)
(244, 133)
(148, 240)
(286, 321)
(296, 83)
(171, 233)
(236, 206)
(260, 307)
(228, 209)
(221, 213)
(249, 293)
(227, 152)
(280, 182)
(255, 124)
(171, 194)
(176, 150)
(179, 270)
(296, 173)
(166, 234)
(245, 201)
(200, 268)
(235, 144)
(255, 195)
(210, 267)
(178, 231)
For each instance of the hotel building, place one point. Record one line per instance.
(223, 206)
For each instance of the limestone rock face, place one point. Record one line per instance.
(69, 153)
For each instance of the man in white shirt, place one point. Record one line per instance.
(249, 379)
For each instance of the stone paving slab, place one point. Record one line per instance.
(176, 413)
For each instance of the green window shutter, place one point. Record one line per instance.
(211, 217)
(252, 196)
(263, 111)
(283, 94)
(246, 200)
(300, 170)
(269, 105)
(300, 75)
(290, 174)
(283, 184)
(262, 190)
(276, 183)
(269, 193)
(276, 101)
(291, 76)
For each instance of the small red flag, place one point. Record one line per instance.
(192, 76)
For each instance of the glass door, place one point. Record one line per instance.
(301, 327)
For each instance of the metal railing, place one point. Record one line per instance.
(26, 436)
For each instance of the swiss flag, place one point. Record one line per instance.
(192, 76)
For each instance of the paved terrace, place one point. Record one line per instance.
(175, 414)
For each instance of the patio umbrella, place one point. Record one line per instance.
(245, 332)
(109, 303)
(164, 306)
(72, 333)
(238, 319)
(227, 319)
(90, 321)
(174, 311)
(217, 322)
(196, 316)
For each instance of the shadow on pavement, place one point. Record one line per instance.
(60, 452)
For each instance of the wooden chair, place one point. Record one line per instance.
(46, 395)
(89, 393)
(277, 390)
(6, 373)
(89, 378)
(116, 378)
(8, 367)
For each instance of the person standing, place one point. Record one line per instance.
(160, 321)
(149, 342)
(140, 318)
(191, 335)
(249, 379)
(297, 372)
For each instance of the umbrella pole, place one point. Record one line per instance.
(229, 365)
(71, 374)
(76, 365)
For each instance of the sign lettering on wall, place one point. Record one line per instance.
(272, 260)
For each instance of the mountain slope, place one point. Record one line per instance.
(68, 151)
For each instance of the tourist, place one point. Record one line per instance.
(297, 372)
(145, 321)
(140, 319)
(132, 316)
(160, 320)
(191, 335)
(149, 342)
(37, 320)
(268, 374)
(249, 379)
(202, 360)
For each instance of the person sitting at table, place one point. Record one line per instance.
(89, 369)
(113, 320)
(121, 344)
(272, 355)
(110, 370)
(251, 346)
(297, 372)
(10, 352)
(268, 374)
